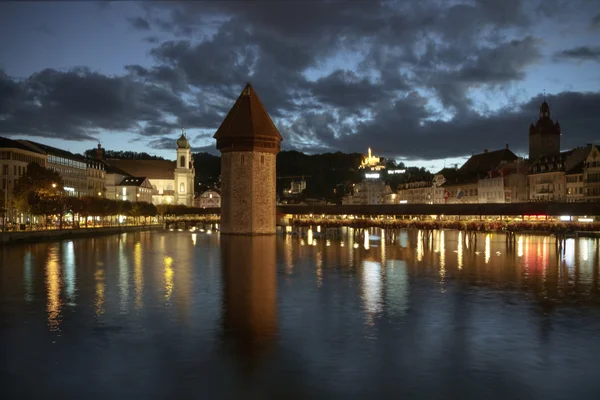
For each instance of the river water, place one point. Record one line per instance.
(388, 315)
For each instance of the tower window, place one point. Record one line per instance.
(182, 187)
(242, 159)
(262, 160)
(182, 162)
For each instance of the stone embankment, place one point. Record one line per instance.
(61, 234)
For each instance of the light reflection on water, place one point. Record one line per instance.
(267, 316)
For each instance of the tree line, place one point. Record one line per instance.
(328, 175)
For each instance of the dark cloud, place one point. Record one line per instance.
(76, 104)
(405, 78)
(596, 21)
(583, 53)
(403, 129)
(139, 23)
(152, 39)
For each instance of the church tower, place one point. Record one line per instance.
(544, 136)
(184, 172)
(249, 142)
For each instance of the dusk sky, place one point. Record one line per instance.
(423, 81)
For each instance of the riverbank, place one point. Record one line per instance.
(61, 234)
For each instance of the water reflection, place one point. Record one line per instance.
(138, 276)
(53, 289)
(168, 274)
(459, 250)
(249, 293)
(329, 317)
(124, 275)
(69, 271)
(100, 288)
(28, 275)
(371, 285)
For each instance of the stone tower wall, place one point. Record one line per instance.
(248, 193)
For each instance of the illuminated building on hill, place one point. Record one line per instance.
(372, 163)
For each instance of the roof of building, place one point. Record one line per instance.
(151, 169)
(111, 169)
(247, 118)
(482, 163)
(132, 181)
(54, 151)
(7, 143)
(206, 192)
(577, 169)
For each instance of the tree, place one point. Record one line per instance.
(36, 190)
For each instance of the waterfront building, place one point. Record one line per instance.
(249, 142)
(389, 196)
(544, 136)
(172, 181)
(369, 191)
(591, 173)
(574, 184)
(462, 185)
(208, 199)
(14, 158)
(419, 192)
(548, 175)
(96, 178)
(72, 168)
(113, 178)
(135, 190)
(505, 184)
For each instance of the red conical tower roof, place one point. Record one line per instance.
(248, 126)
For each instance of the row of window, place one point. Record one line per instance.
(493, 195)
(18, 170)
(574, 178)
(52, 159)
(593, 177)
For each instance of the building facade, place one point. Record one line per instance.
(14, 159)
(72, 168)
(172, 181)
(591, 172)
(415, 193)
(297, 187)
(208, 199)
(96, 178)
(135, 190)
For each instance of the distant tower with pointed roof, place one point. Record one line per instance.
(249, 142)
(184, 172)
(544, 136)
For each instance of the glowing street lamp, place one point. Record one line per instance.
(54, 185)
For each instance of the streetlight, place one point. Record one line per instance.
(99, 194)
(54, 185)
